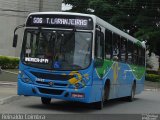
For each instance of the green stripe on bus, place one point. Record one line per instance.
(104, 69)
(138, 71)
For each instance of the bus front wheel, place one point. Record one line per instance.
(45, 100)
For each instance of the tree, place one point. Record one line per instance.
(78, 5)
(148, 22)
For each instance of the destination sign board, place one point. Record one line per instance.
(60, 21)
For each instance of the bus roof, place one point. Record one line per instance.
(62, 13)
(98, 21)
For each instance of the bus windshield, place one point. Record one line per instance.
(55, 49)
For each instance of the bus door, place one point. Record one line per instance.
(124, 70)
(99, 55)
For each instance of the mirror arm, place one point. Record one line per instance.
(16, 36)
(20, 26)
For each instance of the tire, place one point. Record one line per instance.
(45, 101)
(106, 92)
(99, 105)
(131, 97)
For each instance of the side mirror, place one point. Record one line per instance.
(15, 39)
(98, 62)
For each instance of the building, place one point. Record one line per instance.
(153, 61)
(14, 13)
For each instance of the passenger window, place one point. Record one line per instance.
(141, 56)
(130, 52)
(99, 45)
(108, 44)
(134, 54)
(123, 49)
(116, 47)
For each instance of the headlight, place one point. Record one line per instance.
(25, 78)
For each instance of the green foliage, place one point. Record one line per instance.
(153, 77)
(152, 37)
(9, 62)
(152, 72)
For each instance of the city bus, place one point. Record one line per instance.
(78, 57)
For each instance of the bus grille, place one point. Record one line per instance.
(52, 76)
(55, 84)
(50, 91)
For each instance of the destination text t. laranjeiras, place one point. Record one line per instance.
(60, 21)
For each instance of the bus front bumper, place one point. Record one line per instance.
(81, 95)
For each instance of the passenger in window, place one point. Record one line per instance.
(116, 52)
(115, 58)
(108, 56)
(48, 53)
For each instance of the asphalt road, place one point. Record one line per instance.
(8, 75)
(146, 102)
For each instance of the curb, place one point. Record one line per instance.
(9, 72)
(9, 99)
(153, 89)
(8, 83)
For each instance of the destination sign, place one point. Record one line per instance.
(60, 21)
(36, 60)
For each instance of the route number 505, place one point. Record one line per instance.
(37, 20)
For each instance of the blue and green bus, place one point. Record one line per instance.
(78, 57)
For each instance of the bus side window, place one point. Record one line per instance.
(99, 45)
(123, 50)
(116, 47)
(130, 52)
(135, 54)
(108, 44)
(141, 56)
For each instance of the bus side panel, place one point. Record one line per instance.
(97, 85)
(140, 85)
(121, 78)
(125, 80)
(127, 75)
(139, 88)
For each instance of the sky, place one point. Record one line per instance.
(66, 7)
